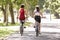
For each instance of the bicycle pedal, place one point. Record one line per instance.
(24, 27)
(34, 26)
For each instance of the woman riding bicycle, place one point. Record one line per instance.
(37, 16)
(22, 14)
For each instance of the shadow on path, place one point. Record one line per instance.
(30, 35)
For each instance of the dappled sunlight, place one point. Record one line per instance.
(10, 14)
(30, 19)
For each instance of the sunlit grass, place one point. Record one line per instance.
(16, 24)
(52, 16)
(5, 32)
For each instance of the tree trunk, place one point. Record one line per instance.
(57, 15)
(12, 14)
(7, 8)
(4, 13)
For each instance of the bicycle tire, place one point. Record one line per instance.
(37, 32)
(21, 30)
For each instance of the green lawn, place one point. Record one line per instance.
(16, 24)
(5, 32)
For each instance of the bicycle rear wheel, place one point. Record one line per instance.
(37, 31)
(21, 30)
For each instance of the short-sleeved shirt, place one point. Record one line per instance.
(36, 12)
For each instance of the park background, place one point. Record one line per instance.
(9, 10)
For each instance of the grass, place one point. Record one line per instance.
(9, 24)
(16, 24)
(5, 32)
(53, 17)
(27, 24)
(1, 24)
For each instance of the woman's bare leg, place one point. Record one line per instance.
(39, 24)
(35, 24)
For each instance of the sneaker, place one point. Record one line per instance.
(24, 27)
(34, 26)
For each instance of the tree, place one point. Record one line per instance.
(41, 3)
(11, 11)
(31, 6)
(53, 5)
(3, 8)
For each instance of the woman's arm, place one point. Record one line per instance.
(26, 13)
(42, 15)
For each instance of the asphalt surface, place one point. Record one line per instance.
(29, 34)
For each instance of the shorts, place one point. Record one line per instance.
(22, 21)
(38, 19)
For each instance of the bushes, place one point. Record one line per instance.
(57, 15)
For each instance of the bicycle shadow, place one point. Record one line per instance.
(30, 35)
(43, 35)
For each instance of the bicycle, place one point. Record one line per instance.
(21, 28)
(37, 30)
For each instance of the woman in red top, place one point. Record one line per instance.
(22, 14)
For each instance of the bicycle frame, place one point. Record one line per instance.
(21, 28)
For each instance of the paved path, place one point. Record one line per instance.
(48, 32)
(29, 34)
